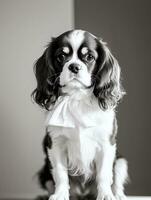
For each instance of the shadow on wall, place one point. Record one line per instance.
(125, 25)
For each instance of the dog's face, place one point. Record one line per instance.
(76, 56)
(77, 59)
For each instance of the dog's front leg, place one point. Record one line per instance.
(104, 167)
(58, 160)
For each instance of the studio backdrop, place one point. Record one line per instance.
(25, 29)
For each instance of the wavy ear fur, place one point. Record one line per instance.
(46, 92)
(108, 88)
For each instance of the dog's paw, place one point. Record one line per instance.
(119, 193)
(120, 196)
(105, 196)
(60, 195)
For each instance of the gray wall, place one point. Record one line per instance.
(25, 28)
(126, 26)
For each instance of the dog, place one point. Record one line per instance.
(79, 86)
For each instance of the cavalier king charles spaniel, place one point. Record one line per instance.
(78, 84)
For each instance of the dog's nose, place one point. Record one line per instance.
(74, 68)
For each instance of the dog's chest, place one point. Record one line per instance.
(81, 149)
(85, 128)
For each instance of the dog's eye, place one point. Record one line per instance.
(89, 58)
(61, 57)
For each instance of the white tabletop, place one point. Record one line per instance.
(139, 198)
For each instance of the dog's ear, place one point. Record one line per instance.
(108, 88)
(46, 91)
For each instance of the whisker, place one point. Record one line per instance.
(53, 75)
(50, 79)
(95, 77)
(54, 84)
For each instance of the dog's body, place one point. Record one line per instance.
(81, 91)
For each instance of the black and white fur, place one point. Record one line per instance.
(81, 161)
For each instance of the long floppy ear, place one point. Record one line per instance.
(46, 92)
(108, 88)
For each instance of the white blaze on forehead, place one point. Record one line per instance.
(76, 38)
(66, 50)
(84, 50)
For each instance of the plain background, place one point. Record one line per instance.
(25, 28)
(126, 26)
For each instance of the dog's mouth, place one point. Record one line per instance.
(76, 83)
(75, 79)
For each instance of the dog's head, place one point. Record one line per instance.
(77, 59)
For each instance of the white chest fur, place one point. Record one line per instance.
(82, 128)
